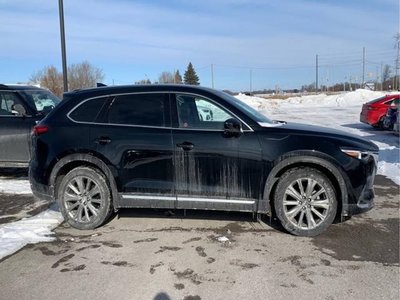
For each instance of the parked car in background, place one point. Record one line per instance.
(21, 107)
(107, 148)
(374, 111)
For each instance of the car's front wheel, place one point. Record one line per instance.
(84, 198)
(305, 201)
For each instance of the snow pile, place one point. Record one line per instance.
(15, 235)
(339, 111)
(14, 186)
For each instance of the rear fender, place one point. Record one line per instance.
(74, 160)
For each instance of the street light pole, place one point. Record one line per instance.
(63, 52)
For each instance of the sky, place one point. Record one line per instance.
(253, 44)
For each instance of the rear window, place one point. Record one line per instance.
(89, 110)
(138, 109)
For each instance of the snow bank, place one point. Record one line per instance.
(15, 235)
(339, 111)
(14, 185)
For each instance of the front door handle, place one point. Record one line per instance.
(185, 146)
(103, 140)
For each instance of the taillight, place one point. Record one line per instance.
(40, 129)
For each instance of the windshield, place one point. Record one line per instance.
(248, 110)
(44, 100)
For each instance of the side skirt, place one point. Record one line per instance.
(186, 202)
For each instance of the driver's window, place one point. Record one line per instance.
(200, 113)
(8, 102)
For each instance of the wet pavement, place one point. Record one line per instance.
(162, 254)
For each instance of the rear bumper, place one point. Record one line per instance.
(363, 118)
(40, 191)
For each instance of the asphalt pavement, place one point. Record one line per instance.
(162, 254)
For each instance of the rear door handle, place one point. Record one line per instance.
(186, 146)
(103, 140)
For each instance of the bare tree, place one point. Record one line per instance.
(386, 73)
(397, 61)
(49, 77)
(166, 77)
(178, 77)
(83, 75)
(143, 81)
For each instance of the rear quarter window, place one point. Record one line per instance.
(89, 110)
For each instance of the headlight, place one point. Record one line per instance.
(361, 154)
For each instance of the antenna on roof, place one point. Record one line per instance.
(99, 84)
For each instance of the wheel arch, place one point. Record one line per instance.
(317, 160)
(71, 161)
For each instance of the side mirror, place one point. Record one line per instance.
(232, 128)
(19, 110)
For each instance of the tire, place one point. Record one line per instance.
(301, 211)
(84, 198)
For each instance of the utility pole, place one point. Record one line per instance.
(251, 80)
(397, 65)
(212, 75)
(316, 73)
(381, 76)
(63, 52)
(363, 71)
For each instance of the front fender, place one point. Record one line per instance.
(311, 158)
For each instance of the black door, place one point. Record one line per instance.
(137, 141)
(212, 170)
(14, 131)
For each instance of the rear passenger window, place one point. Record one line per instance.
(89, 110)
(138, 109)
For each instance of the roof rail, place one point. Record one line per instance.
(99, 84)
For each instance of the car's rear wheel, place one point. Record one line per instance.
(84, 198)
(305, 201)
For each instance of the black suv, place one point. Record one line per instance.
(149, 146)
(21, 107)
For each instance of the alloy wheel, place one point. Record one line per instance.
(306, 203)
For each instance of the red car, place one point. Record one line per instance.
(374, 111)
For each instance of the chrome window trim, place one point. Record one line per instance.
(148, 126)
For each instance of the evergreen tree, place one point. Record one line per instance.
(190, 76)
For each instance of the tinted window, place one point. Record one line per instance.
(89, 110)
(138, 109)
(197, 112)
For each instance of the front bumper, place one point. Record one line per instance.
(365, 201)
